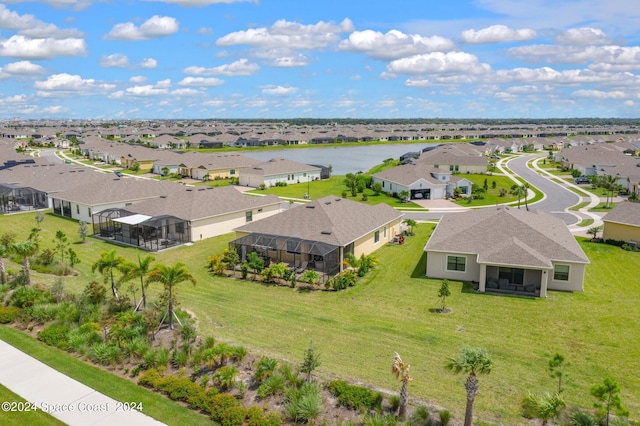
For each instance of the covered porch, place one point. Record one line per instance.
(138, 230)
(513, 280)
(15, 199)
(298, 253)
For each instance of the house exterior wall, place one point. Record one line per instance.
(437, 191)
(218, 225)
(622, 232)
(367, 244)
(255, 181)
(224, 173)
(157, 168)
(81, 211)
(437, 267)
(576, 278)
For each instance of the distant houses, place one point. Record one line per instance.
(278, 171)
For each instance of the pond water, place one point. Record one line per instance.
(343, 160)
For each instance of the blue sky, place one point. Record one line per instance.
(171, 59)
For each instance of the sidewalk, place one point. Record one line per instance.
(64, 398)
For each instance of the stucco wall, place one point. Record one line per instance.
(218, 225)
(437, 267)
(576, 278)
(618, 231)
(366, 244)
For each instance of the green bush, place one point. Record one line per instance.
(56, 335)
(445, 417)
(25, 297)
(8, 314)
(273, 385)
(150, 378)
(394, 403)
(256, 417)
(220, 403)
(304, 404)
(106, 353)
(356, 397)
(421, 417)
(234, 416)
(43, 312)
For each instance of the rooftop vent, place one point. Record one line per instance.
(325, 232)
(309, 206)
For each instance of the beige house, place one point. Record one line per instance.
(183, 216)
(278, 170)
(319, 234)
(506, 250)
(623, 223)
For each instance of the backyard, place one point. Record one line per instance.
(357, 330)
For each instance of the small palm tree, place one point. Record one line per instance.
(471, 361)
(411, 224)
(170, 276)
(519, 191)
(25, 249)
(593, 231)
(401, 371)
(108, 261)
(545, 407)
(139, 270)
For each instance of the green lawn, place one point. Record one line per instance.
(602, 207)
(579, 206)
(357, 331)
(492, 196)
(332, 186)
(21, 418)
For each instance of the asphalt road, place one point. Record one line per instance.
(557, 197)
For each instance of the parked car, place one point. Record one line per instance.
(582, 180)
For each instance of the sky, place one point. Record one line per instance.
(272, 59)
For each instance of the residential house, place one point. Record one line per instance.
(456, 158)
(623, 223)
(182, 216)
(507, 250)
(421, 181)
(278, 170)
(318, 235)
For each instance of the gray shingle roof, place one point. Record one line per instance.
(330, 220)
(508, 237)
(408, 174)
(278, 166)
(627, 213)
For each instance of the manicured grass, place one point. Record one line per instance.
(154, 405)
(586, 222)
(602, 207)
(332, 186)
(579, 206)
(492, 196)
(21, 418)
(357, 331)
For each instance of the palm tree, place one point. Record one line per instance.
(525, 188)
(139, 270)
(401, 371)
(519, 192)
(610, 184)
(545, 407)
(108, 261)
(169, 276)
(471, 361)
(593, 231)
(25, 249)
(411, 224)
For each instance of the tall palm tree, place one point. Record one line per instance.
(471, 361)
(169, 276)
(518, 191)
(139, 270)
(25, 249)
(401, 371)
(525, 189)
(108, 261)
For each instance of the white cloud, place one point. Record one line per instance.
(438, 63)
(497, 34)
(61, 4)
(146, 90)
(290, 34)
(565, 77)
(278, 90)
(602, 58)
(117, 60)
(241, 67)
(30, 26)
(298, 60)
(201, 81)
(185, 92)
(22, 68)
(148, 63)
(19, 46)
(583, 36)
(138, 79)
(154, 27)
(394, 44)
(599, 94)
(72, 83)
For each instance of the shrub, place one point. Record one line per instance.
(356, 397)
(421, 417)
(8, 314)
(234, 416)
(95, 292)
(394, 403)
(304, 404)
(43, 312)
(56, 335)
(445, 417)
(25, 297)
(106, 353)
(150, 378)
(265, 368)
(273, 385)
(579, 417)
(256, 417)
(219, 404)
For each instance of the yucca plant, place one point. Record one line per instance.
(265, 368)
(274, 385)
(304, 404)
(225, 377)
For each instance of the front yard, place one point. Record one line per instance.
(356, 331)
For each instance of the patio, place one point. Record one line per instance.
(509, 280)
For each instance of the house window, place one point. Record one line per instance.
(89, 209)
(561, 272)
(456, 263)
(232, 171)
(180, 227)
(451, 167)
(249, 216)
(384, 235)
(77, 208)
(376, 236)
